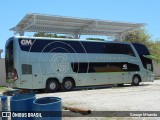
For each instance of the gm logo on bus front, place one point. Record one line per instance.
(26, 42)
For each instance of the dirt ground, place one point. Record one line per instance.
(145, 97)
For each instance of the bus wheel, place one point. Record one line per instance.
(52, 85)
(68, 84)
(136, 80)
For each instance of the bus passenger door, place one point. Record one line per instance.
(118, 77)
(37, 76)
(115, 73)
(125, 77)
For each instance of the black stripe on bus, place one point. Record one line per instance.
(64, 46)
(94, 67)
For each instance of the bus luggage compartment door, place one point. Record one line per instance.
(26, 76)
(37, 76)
(114, 77)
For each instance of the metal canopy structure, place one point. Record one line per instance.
(72, 26)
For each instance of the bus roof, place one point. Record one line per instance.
(68, 39)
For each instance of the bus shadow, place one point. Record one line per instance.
(79, 89)
(16, 91)
(105, 87)
(144, 85)
(89, 88)
(11, 92)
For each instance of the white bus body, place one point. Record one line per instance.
(51, 63)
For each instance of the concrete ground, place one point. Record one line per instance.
(145, 97)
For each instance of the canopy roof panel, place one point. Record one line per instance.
(73, 26)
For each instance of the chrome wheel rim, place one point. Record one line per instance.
(68, 85)
(52, 86)
(136, 80)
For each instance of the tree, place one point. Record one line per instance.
(138, 36)
(43, 34)
(95, 39)
(155, 48)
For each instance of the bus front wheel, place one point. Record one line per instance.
(68, 84)
(52, 85)
(136, 80)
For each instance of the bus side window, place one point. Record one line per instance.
(126, 49)
(118, 48)
(111, 48)
(149, 67)
(26, 69)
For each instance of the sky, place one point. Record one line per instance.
(136, 11)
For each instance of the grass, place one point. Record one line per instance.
(157, 78)
(2, 88)
(9, 81)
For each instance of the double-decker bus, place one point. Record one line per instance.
(54, 63)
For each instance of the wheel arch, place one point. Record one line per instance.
(52, 78)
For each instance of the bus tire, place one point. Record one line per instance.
(52, 85)
(136, 80)
(68, 84)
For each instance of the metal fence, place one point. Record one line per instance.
(156, 67)
(2, 72)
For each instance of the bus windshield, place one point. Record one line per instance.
(142, 52)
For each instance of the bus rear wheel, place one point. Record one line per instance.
(52, 85)
(136, 80)
(68, 84)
